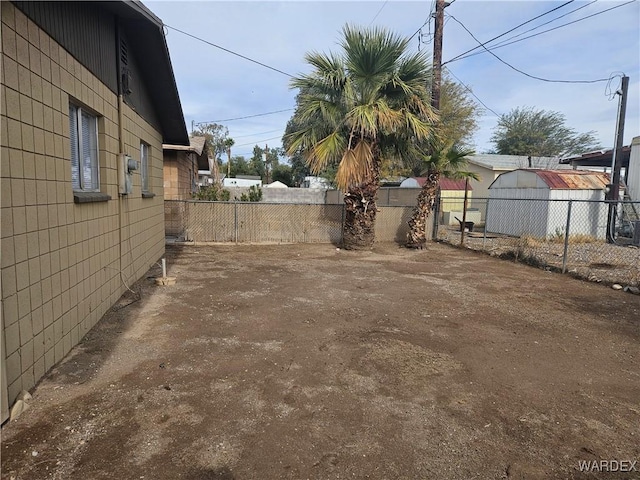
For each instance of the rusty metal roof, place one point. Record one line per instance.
(451, 184)
(572, 179)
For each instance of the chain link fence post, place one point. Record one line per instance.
(235, 221)
(342, 220)
(436, 217)
(486, 223)
(566, 238)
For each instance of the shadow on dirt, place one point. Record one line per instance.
(98, 344)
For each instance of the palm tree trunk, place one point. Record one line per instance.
(417, 236)
(360, 211)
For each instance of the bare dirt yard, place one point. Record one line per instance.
(301, 361)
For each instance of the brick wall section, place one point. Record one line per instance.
(180, 173)
(61, 261)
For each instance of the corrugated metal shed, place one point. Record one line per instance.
(535, 202)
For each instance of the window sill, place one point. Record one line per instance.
(90, 197)
(148, 195)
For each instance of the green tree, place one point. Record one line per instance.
(239, 166)
(218, 142)
(459, 114)
(227, 144)
(356, 108)
(447, 162)
(257, 163)
(282, 173)
(266, 167)
(539, 133)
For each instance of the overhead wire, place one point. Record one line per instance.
(608, 91)
(228, 51)
(427, 21)
(256, 134)
(258, 141)
(521, 71)
(510, 30)
(543, 32)
(472, 93)
(247, 116)
(376, 16)
(506, 41)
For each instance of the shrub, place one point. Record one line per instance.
(255, 194)
(212, 193)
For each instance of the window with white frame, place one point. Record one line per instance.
(144, 166)
(85, 172)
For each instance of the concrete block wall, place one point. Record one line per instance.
(61, 261)
(294, 195)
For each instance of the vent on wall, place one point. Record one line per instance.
(126, 73)
(124, 53)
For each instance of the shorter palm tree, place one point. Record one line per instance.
(446, 162)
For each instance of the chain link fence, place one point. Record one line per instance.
(575, 236)
(247, 222)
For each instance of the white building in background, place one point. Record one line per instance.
(204, 178)
(316, 182)
(242, 181)
(525, 202)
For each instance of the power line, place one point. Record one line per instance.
(508, 31)
(258, 141)
(431, 12)
(229, 51)
(416, 32)
(548, 30)
(376, 16)
(522, 72)
(248, 116)
(256, 134)
(503, 42)
(471, 92)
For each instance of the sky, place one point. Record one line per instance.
(215, 85)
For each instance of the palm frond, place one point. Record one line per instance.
(461, 175)
(325, 152)
(355, 165)
(447, 160)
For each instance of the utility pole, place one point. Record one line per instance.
(437, 54)
(616, 161)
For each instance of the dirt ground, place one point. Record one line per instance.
(302, 361)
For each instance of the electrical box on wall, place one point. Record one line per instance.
(127, 166)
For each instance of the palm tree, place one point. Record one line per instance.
(444, 162)
(355, 109)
